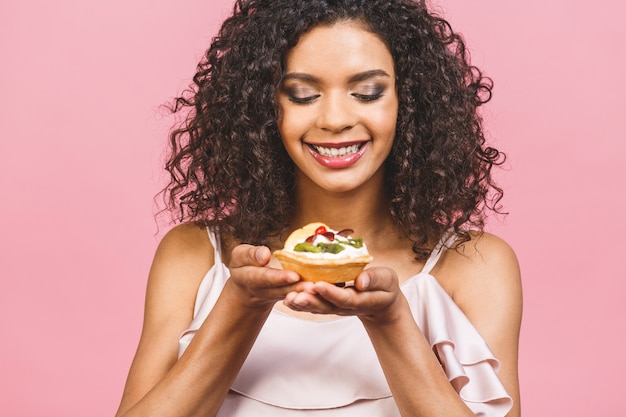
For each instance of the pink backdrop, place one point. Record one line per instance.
(81, 141)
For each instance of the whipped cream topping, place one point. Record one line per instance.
(349, 250)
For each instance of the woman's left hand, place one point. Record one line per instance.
(373, 297)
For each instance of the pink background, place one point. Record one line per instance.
(81, 141)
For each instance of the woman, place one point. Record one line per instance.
(359, 114)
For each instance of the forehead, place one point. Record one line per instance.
(342, 45)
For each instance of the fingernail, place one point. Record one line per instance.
(300, 302)
(365, 281)
(258, 254)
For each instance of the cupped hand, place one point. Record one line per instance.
(373, 297)
(257, 284)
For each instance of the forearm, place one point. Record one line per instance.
(415, 376)
(199, 381)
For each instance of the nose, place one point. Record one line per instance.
(336, 113)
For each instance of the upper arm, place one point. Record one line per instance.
(182, 259)
(484, 279)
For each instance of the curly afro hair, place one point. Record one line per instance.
(227, 163)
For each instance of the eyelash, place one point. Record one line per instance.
(303, 100)
(368, 97)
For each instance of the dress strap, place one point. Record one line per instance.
(446, 240)
(214, 237)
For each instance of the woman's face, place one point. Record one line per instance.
(338, 107)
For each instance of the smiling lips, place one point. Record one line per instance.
(339, 155)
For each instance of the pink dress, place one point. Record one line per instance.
(329, 369)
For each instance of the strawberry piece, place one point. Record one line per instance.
(320, 230)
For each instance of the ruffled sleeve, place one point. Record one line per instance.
(469, 364)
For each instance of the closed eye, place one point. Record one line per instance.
(301, 94)
(303, 100)
(368, 92)
(367, 97)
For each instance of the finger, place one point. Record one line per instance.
(338, 297)
(308, 301)
(376, 279)
(373, 288)
(249, 255)
(248, 266)
(265, 277)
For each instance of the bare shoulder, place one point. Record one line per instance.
(183, 257)
(484, 268)
(187, 244)
(483, 277)
(186, 239)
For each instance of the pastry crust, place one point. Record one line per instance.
(317, 269)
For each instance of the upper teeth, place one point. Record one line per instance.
(333, 152)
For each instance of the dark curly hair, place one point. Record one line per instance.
(230, 170)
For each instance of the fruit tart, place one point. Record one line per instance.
(318, 253)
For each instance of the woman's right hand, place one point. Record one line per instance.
(255, 283)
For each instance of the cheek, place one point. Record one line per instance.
(292, 124)
(385, 114)
(384, 122)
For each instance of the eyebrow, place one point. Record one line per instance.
(361, 76)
